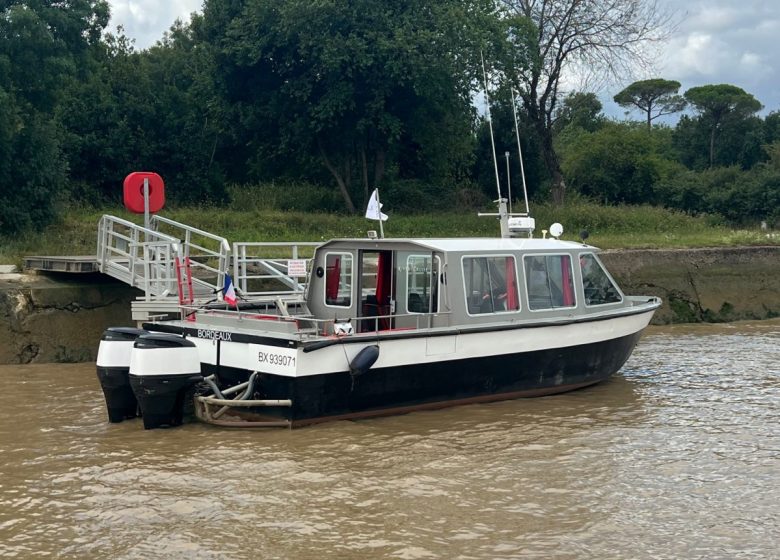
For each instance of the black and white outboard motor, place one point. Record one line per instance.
(113, 366)
(163, 367)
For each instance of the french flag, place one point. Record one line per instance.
(229, 290)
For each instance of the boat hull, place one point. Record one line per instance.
(425, 372)
(409, 387)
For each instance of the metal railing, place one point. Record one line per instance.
(145, 258)
(275, 319)
(272, 268)
(140, 257)
(209, 254)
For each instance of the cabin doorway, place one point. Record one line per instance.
(377, 290)
(417, 288)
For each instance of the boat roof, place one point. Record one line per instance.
(467, 244)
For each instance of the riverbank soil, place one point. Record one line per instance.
(59, 318)
(702, 285)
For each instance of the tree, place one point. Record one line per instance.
(561, 37)
(655, 97)
(152, 110)
(716, 103)
(618, 163)
(44, 45)
(346, 85)
(581, 110)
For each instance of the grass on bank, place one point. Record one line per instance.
(264, 215)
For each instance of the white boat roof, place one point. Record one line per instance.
(495, 244)
(476, 244)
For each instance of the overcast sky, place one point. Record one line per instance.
(716, 41)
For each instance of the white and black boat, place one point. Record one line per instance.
(388, 326)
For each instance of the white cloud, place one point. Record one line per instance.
(696, 54)
(147, 20)
(726, 41)
(715, 18)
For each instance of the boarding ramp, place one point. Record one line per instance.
(177, 265)
(150, 259)
(135, 255)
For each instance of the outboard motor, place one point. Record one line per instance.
(113, 365)
(163, 367)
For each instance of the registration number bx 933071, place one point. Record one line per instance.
(274, 359)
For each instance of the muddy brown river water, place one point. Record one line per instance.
(678, 456)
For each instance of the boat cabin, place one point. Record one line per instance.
(381, 285)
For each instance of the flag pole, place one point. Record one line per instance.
(381, 227)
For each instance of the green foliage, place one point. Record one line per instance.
(655, 97)
(43, 45)
(483, 171)
(347, 85)
(740, 142)
(719, 104)
(772, 127)
(616, 164)
(742, 197)
(716, 101)
(34, 171)
(154, 111)
(581, 110)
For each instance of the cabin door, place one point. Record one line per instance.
(377, 290)
(417, 280)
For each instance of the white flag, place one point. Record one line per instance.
(374, 209)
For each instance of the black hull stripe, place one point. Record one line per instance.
(438, 405)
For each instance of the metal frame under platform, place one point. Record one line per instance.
(75, 264)
(144, 310)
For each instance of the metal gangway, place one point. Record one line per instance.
(149, 259)
(177, 265)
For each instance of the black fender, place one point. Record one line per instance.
(366, 358)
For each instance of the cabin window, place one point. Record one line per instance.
(491, 284)
(338, 279)
(549, 281)
(596, 283)
(422, 294)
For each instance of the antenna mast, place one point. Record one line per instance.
(508, 182)
(519, 151)
(511, 226)
(490, 124)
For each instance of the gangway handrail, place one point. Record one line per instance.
(141, 257)
(157, 219)
(268, 267)
(145, 257)
(199, 254)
